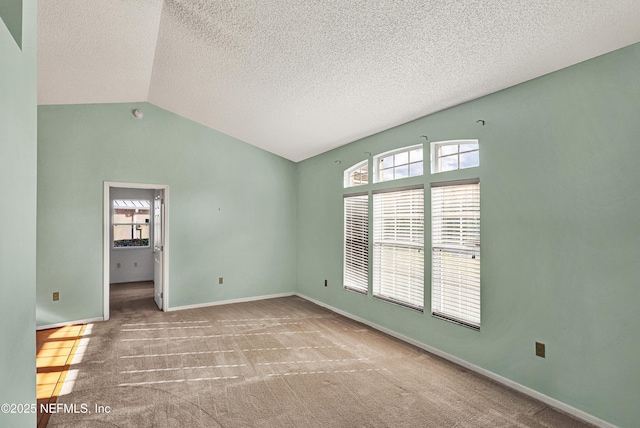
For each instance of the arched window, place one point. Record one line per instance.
(357, 175)
(399, 163)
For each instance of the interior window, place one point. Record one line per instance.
(130, 223)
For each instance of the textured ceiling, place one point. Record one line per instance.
(96, 51)
(297, 77)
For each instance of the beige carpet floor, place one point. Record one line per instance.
(273, 363)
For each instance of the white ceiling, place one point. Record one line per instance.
(300, 77)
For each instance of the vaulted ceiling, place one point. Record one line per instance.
(300, 77)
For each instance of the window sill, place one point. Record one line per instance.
(399, 303)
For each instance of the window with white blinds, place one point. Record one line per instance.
(398, 246)
(455, 240)
(356, 243)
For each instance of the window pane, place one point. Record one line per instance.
(130, 211)
(448, 149)
(452, 155)
(402, 158)
(387, 174)
(386, 162)
(402, 171)
(468, 147)
(364, 174)
(449, 163)
(357, 175)
(130, 235)
(122, 216)
(415, 155)
(130, 215)
(141, 216)
(397, 165)
(416, 169)
(470, 159)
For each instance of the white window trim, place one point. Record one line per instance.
(376, 161)
(433, 149)
(351, 170)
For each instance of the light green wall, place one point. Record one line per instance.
(560, 237)
(18, 218)
(11, 14)
(559, 181)
(232, 207)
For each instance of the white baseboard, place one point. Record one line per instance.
(230, 301)
(577, 413)
(66, 323)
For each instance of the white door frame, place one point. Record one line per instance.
(106, 264)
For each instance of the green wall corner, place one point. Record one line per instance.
(11, 14)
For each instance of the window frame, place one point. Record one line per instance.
(377, 173)
(399, 249)
(356, 279)
(356, 168)
(437, 145)
(462, 275)
(132, 224)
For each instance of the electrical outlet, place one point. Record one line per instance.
(540, 349)
(221, 280)
(56, 296)
(325, 282)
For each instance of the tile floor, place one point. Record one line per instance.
(55, 350)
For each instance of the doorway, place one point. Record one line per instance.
(142, 211)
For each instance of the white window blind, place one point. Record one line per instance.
(356, 243)
(455, 283)
(398, 241)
